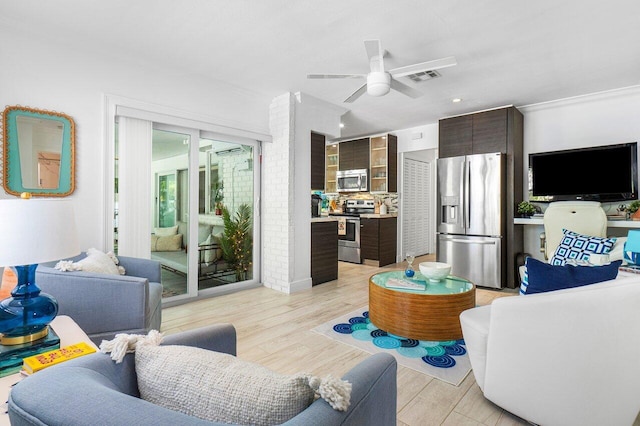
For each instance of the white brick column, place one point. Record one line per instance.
(277, 196)
(286, 206)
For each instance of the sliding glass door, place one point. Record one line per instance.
(170, 221)
(203, 219)
(230, 201)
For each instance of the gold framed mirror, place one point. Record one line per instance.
(38, 152)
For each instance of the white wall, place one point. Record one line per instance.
(417, 138)
(39, 73)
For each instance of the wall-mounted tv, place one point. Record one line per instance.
(603, 173)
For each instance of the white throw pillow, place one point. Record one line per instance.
(168, 243)
(222, 388)
(166, 232)
(96, 261)
(211, 255)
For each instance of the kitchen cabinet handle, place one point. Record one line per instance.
(467, 194)
(456, 240)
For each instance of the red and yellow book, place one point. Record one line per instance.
(38, 362)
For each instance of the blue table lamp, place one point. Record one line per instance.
(32, 231)
(632, 248)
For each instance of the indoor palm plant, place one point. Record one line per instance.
(236, 241)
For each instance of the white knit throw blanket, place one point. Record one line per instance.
(335, 391)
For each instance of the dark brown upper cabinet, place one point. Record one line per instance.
(480, 133)
(318, 142)
(455, 136)
(490, 132)
(354, 154)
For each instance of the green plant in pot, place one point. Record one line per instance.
(633, 208)
(237, 241)
(218, 196)
(526, 209)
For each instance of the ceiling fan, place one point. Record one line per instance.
(379, 81)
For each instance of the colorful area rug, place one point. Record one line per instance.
(447, 361)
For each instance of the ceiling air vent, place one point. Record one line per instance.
(423, 76)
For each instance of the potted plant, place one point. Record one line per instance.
(236, 241)
(526, 209)
(633, 208)
(218, 196)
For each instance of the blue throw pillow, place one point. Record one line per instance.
(574, 246)
(545, 277)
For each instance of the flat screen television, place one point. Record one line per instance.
(603, 173)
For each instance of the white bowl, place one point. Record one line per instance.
(435, 271)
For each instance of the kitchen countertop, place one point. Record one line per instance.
(324, 219)
(377, 215)
(364, 216)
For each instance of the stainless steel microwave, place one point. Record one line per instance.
(351, 180)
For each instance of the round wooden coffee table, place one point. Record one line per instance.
(429, 313)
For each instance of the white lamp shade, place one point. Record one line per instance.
(36, 230)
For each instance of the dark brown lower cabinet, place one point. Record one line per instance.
(378, 240)
(324, 252)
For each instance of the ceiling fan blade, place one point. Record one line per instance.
(355, 95)
(336, 75)
(424, 66)
(374, 48)
(403, 88)
(375, 54)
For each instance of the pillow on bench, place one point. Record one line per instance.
(166, 243)
(165, 232)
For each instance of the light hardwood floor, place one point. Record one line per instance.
(274, 329)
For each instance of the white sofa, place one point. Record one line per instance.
(567, 357)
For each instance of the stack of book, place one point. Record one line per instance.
(12, 356)
(404, 284)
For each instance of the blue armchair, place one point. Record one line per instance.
(95, 390)
(104, 305)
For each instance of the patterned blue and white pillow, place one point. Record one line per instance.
(524, 283)
(574, 246)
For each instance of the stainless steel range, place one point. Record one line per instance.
(349, 238)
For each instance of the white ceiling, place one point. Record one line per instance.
(509, 52)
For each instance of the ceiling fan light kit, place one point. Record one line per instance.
(380, 82)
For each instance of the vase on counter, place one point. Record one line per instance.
(383, 208)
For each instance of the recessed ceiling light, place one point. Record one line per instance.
(456, 100)
(341, 125)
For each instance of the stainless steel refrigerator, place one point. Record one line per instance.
(471, 217)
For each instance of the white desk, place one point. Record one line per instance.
(610, 223)
(534, 226)
(69, 332)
